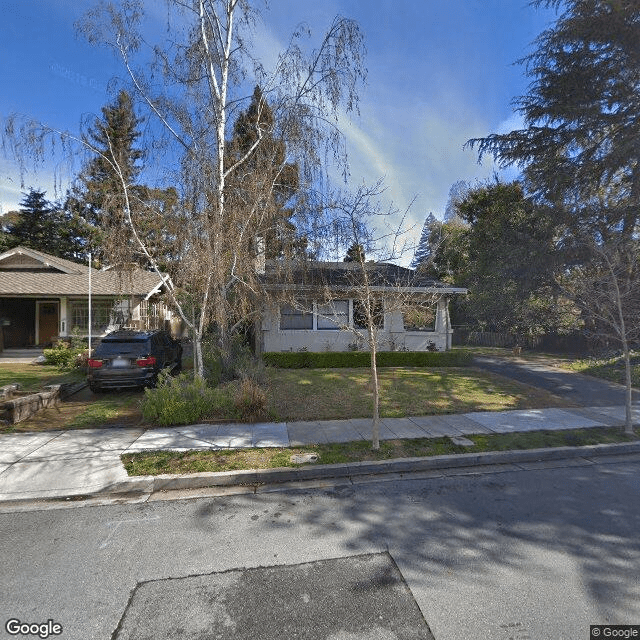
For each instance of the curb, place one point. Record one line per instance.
(137, 487)
(173, 482)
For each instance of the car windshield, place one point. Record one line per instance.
(125, 347)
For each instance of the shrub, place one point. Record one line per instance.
(339, 359)
(64, 356)
(184, 400)
(239, 363)
(250, 401)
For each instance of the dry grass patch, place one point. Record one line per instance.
(161, 462)
(330, 394)
(85, 410)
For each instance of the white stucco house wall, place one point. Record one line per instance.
(325, 311)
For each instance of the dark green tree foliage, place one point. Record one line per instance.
(34, 225)
(98, 197)
(582, 115)
(449, 252)
(505, 255)
(46, 227)
(511, 255)
(6, 222)
(265, 179)
(423, 250)
(355, 253)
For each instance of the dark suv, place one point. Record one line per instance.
(132, 359)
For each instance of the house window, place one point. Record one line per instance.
(150, 314)
(360, 314)
(101, 312)
(295, 318)
(420, 319)
(149, 309)
(333, 315)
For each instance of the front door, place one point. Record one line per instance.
(48, 319)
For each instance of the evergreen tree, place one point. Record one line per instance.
(511, 260)
(99, 197)
(457, 193)
(581, 116)
(43, 226)
(33, 227)
(423, 250)
(46, 227)
(264, 183)
(449, 252)
(355, 253)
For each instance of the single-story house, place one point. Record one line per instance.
(43, 298)
(324, 309)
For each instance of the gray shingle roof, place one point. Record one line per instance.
(67, 278)
(349, 274)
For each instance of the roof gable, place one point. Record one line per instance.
(24, 259)
(27, 272)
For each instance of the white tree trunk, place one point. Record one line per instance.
(375, 427)
(628, 422)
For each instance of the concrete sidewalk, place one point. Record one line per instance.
(53, 465)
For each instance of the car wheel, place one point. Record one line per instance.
(94, 387)
(177, 369)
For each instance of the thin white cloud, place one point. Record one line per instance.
(514, 122)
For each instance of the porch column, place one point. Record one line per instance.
(64, 320)
(443, 323)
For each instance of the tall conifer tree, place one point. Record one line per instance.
(423, 250)
(44, 226)
(265, 180)
(98, 196)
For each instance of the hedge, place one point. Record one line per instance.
(337, 359)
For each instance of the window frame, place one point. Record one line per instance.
(333, 325)
(295, 312)
(378, 312)
(102, 314)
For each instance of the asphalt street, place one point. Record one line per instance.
(537, 554)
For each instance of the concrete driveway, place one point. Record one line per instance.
(573, 387)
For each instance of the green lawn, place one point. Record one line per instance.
(159, 462)
(611, 369)
(325, 394)
(33, 377)
(83, 410)
(303, 394)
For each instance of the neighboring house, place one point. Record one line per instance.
(325, 311)
(43, 298)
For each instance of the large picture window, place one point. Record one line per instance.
(333, 315)
(295, 318)
(102, 312)
(360, 314)
(420, 319)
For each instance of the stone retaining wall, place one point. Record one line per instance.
(16, 406)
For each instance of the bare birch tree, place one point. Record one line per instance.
(607, 289)
(377, 287)
(191, 86)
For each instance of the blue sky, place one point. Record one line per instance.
(439, 72)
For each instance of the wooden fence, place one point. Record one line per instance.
(572, 343)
